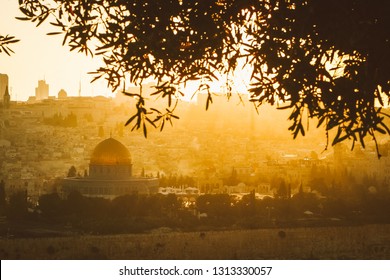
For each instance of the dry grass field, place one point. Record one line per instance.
(358, 242)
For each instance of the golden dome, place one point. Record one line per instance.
(110, 152)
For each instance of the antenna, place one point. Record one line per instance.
(80, 88)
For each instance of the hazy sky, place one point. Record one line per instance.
(38, 56)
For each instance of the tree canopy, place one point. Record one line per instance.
(321, 59)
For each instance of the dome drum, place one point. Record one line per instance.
(110, 171)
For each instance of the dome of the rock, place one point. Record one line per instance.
(110, 152)
(110, 174)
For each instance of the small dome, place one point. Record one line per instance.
(62, 94)
(110, 152)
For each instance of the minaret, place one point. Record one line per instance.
(6, 98)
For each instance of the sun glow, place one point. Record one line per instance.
(37, 52)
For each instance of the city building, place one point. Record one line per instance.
(42, 90)
(6, 99)
(3, 85)
(110, 174)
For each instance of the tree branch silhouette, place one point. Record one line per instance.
(328, 59)
(5, 41)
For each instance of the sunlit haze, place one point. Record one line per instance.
(41, 57)
(88, 174)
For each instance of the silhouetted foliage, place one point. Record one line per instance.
(72, 172)
(232, 180)
(101, 132)
(321, 59)
(140, 213)
(282, 189)
(215, 205)
(176, 181)
(5, 41)
(18, 205)
(76, 203)
(51, 206)
(3, 202)
(58, 120)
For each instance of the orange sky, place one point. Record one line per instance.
(38, 56)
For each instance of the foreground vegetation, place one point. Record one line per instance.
(143, 213)
(357, 242)
(210, 226)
